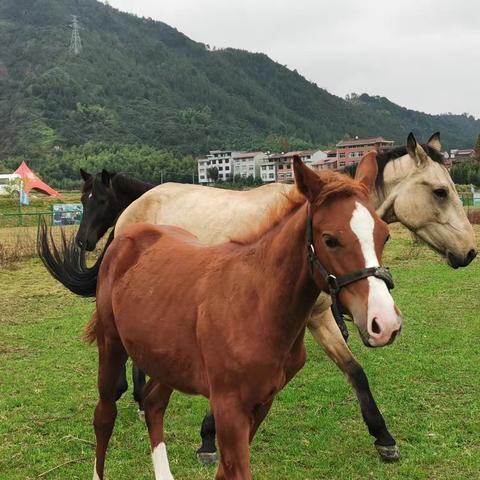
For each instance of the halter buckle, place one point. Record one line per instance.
(333, 284)
(383, 273)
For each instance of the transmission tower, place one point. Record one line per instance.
(75, 42)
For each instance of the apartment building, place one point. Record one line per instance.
(268, 172)
(217, 166)
(348, 152)
(284, 162)
(248, 164)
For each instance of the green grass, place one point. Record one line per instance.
(426, 384)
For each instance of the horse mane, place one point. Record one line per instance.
(335, 185)
(123, 182)
(384, 158)
(127, 183)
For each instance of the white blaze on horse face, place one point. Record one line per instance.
(381, 306)
(160, 463)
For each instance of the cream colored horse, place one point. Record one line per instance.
(413, 187)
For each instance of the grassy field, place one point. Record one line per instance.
(426, 384)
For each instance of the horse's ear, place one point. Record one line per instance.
(308, 182)
(106, 177)
(367, 170)
(85, 175)
(434, 142)
(416, 151)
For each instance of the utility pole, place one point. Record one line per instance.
(75, 42)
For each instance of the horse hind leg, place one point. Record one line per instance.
(207, 453)
(327, 334)
(112, 358)
(156, 398)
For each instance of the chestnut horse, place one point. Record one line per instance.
(408, 176)
(228, 321)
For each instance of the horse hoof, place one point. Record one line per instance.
(141, 415)
(388, 453)
(207, 458)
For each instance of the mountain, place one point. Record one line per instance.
(139, 81)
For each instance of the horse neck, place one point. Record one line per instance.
(282, 258)
(127, 189)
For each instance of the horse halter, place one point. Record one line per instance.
(335, 284)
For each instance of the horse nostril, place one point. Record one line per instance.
(471, 255)
(376, 327)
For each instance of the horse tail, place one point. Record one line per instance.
(89, 333)
(67, 263)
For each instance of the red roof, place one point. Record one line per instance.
(247, 155)
(363, 141)
(31, 181)
(300, 153)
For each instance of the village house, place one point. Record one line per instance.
(268, 172)
(248, 164)
(349, 152)
(460, 155)
(284, 165)
(221, 160)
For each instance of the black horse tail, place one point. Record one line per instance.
(67, 264)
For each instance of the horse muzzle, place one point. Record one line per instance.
(458, 261)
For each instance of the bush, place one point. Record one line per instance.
(466, 173)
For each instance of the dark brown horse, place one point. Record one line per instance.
(228, 321)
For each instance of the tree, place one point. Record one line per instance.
(466, 173)
(212, 174)
(477, 149)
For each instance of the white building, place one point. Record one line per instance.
(216, 159)
(268, 172)
(248, 164)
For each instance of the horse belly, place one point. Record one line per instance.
(161, 340)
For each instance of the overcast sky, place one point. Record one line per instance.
(422, 54)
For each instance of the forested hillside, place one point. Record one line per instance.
(140, 84)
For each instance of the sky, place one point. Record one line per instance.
(421, 54)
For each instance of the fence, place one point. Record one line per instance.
(29, 219)
(470, 199)
(18, 234)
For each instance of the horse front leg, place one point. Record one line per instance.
(122, 384)
(327, 334)
(207, 453)
(138, 378)
(233, 423)
(157, 397)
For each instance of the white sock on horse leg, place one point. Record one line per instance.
(160, 463)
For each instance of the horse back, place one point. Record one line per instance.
(136, 239)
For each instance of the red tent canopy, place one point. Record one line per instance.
(31, 181)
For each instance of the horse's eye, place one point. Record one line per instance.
(441, 192)
(331, 242)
